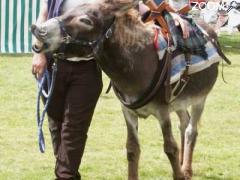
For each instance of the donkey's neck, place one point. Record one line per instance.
(129, 57)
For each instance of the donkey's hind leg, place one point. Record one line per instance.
(191, 137)
(133, 147)
(184, 118)
(170, 145)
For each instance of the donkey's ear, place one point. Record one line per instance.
(119, 7)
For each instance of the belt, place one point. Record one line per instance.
(77, 59)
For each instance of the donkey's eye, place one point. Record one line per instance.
(86, 21)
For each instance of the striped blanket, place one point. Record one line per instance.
(178, 62)
(194, 44)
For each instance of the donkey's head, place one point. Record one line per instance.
(83, 25)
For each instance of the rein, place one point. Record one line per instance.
(50, 82)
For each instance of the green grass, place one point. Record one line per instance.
(230, 43)
(217, 153)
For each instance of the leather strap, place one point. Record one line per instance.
(173, 93)
(147, 96)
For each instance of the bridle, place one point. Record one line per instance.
(67, 38)
(94, 45)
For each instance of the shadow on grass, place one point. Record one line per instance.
(105, 96)
(211, 176)
(230, 43)
(214, 177)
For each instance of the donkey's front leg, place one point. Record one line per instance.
(191, 138)
(170, 145)
(133, 148)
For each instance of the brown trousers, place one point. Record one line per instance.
(76, 91)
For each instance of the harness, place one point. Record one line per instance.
(159, 77)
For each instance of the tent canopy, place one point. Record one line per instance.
(16, 18)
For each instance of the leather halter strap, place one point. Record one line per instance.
(67, 38)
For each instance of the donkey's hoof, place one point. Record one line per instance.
(188, 174)
(187, 178)
(178, 177)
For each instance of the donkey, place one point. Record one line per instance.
(112, 31)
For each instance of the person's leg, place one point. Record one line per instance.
(85, 86)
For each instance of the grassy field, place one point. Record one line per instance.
(217, 154)
(230, 43)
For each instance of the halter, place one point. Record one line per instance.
(94, 44)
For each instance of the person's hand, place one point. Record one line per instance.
(39, 64)
(182, 23)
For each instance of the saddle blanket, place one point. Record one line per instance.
(178, 63)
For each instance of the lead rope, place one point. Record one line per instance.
(47, 95)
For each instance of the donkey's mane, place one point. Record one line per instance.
(131, 33)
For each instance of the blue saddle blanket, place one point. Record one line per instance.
(178, 62)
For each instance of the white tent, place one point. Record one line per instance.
(16, 18)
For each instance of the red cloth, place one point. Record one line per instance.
(156, 44)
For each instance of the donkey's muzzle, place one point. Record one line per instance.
(40, 34)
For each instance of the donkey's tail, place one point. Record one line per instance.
(212, 35)
(220, 52)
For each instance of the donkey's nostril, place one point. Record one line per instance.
(42, 31)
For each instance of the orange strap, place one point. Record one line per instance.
(156, 13)
(184, 10)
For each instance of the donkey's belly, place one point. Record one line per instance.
(146, 111)
(198, 87)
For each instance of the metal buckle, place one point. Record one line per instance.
(108, 33)
(67, 39)
(57, 56)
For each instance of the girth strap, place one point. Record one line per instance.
(181, 83)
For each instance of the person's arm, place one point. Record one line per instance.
(39, 62)
(182, 23)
